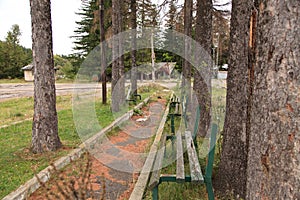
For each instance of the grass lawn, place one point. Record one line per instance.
(20, 109)
(21, 80)
(16, 80)
(17, 163)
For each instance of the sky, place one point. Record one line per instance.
(63, 22)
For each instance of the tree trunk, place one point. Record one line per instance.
(233, 165)
(133, 48)
(274, 145)
(121, 58)
(204, 37)
(115, 64)
(186, 72)
(44, 127)
(103, 53)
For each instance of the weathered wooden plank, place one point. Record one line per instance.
(195, 169)
(154, 179)
(128, 93)
(142, 181)
(180, 163)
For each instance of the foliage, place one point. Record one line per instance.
(137, 112)
(87, 34)
(65, 67)
(13, 56)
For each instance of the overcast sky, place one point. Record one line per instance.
(63, 21)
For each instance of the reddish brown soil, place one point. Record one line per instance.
(104, 181)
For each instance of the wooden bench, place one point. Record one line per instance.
(175, 104)
(185, 140)
(130, 95)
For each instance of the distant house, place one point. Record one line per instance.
(28, 72)
(162, 70)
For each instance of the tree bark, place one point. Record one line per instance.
(233, 165)
(204, 37)
(44, 127)
(186, 72)
(274, 161)
(115, 64)
(121, 58)
(103, 53)
(133, 9)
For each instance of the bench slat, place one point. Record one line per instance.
(180, 177)
(154, 180)
(128, 93)
(195, 169)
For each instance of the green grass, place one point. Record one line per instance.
(16, 110)
(16, 80)
(20, 109)
(17, 163)
(21, 80)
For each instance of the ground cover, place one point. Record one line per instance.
(105, 182)
(17, 163)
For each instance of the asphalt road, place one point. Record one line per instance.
(9, 91)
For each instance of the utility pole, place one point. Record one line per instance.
(103, 55)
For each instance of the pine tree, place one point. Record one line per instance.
(233, 164)
(186, 71)
(133, 25)
(204, 37)
(274, 161)
(45, 124)
(87, 34)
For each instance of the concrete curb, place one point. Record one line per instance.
(33, 184)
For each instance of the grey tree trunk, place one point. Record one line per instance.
(44, 127)
(204, 37)
(121, 59)
(103, 52)
(233, 165)
(274, 145)
(186, 72)
(115, 64)
(133, 9)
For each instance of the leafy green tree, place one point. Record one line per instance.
(13, 56)
(65, 67)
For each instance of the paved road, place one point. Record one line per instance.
(9, 91)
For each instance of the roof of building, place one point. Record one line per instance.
(27, 67)
(30, 67)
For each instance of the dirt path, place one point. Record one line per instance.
(116, 161)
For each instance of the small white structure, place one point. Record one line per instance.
(222, 75)
(28, 72)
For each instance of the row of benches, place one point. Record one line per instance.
(186, 141)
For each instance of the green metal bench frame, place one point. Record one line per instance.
(192, 149)
(129, 96)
